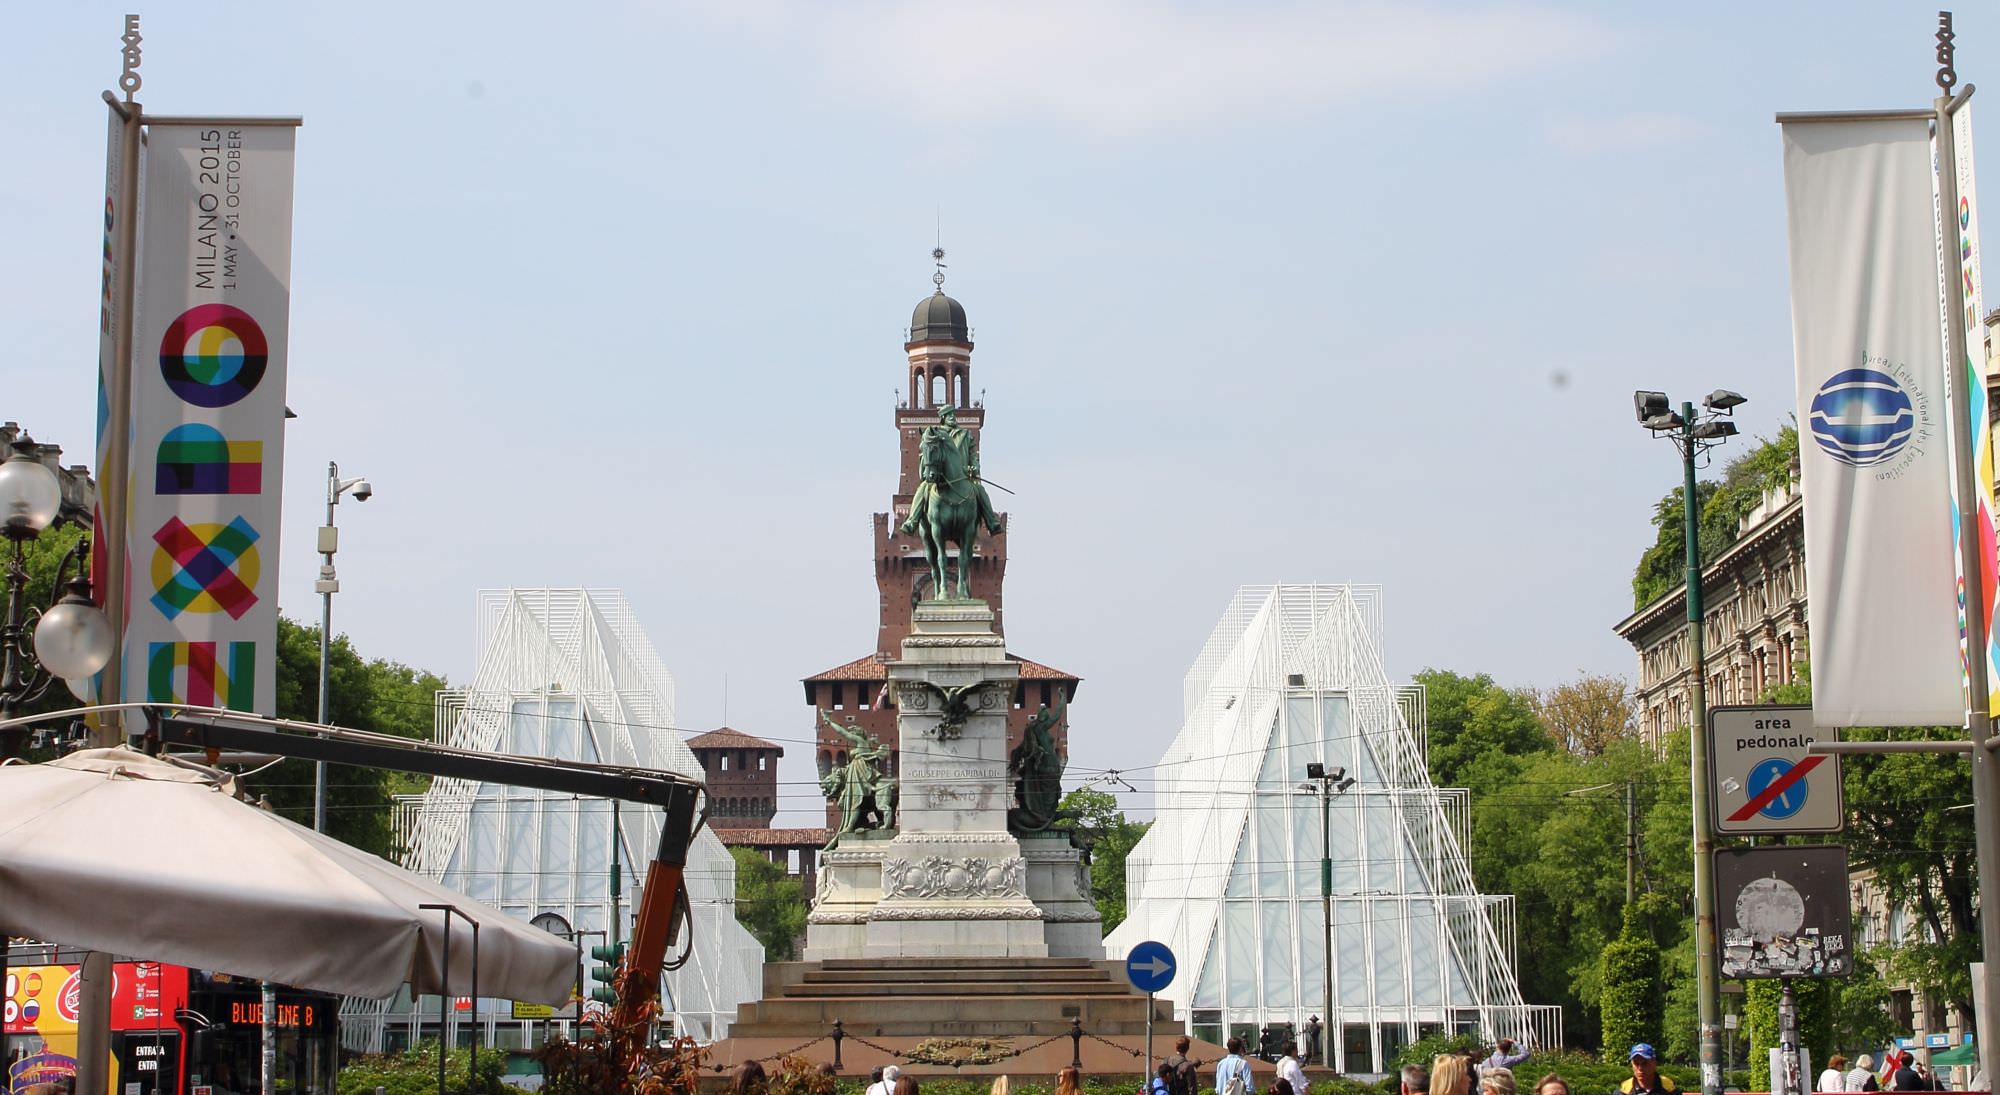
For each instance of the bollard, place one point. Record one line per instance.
(838, 1034)
(1076, 1044)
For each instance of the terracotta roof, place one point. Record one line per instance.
(726, 738)
(767, 838)
(868, 668)
(1036, 671)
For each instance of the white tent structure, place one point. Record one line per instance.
(1229, 875)
(568, 674)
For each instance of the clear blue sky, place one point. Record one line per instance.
(613, 294)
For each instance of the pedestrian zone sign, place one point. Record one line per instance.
(1762, 779)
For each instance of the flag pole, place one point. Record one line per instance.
(1963, 375)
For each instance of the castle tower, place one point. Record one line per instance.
(939, 353)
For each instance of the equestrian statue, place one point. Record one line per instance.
(950, 503)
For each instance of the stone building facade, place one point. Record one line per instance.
(1754, 604)
(939, 353)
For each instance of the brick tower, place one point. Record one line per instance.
(939, 350)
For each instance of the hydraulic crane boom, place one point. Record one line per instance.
(655, 922)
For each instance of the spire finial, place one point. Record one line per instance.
(937, 279)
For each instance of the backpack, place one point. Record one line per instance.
(1182, 1081)
(1235, 1084)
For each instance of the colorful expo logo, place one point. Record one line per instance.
(205, 568)
(213, 355)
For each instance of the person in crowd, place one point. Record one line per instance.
(1281, 1086)
(1552, 1084)
(1496, 1080)
(1290, 1070)
(999, 1085)
(1646, 1078)
(883, 1080)
(1413, 1080)
(1232, 1073)
(1163, 1081)
(1906, 1077)
(1068, 1082)
(905, 1085)
(1505, 1055)
(1834, 1077)
(1862, 1076)
(1187, 1071)
(1451, 1074)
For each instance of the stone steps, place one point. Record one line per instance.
(894, 989)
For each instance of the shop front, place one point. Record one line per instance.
(174, 1031)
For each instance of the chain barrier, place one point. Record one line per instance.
(718, 1066)
(900, 1056)
(1112, 1044)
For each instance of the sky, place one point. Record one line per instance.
(613, 294)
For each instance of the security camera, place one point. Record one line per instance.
(363, 491)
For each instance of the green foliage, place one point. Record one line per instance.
(1102, 830)
(1475, 725)
(1723, 505)
(1860, 1008)
(770, 903)
(383, 696)
(1629, 998)
(414, 1072)
(1423, 1050)
(1760, 1015)
(42, 557)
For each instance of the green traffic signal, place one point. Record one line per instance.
(604, 995)
(614, 954)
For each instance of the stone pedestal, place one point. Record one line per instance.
(950, 880)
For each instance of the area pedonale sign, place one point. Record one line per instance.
(1762, 779)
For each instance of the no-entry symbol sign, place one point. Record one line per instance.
(1762, 779)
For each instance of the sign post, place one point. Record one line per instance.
(1150, 967)
(1764, 779)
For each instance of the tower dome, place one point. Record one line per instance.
(939, 318)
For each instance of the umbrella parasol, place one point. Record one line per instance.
(114, 850)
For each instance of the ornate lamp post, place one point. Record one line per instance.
(70, 639)
(1694, 434)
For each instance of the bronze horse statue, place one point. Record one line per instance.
(950, 504)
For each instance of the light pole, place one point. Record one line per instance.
(1694, 435)
(1326, 782)
(326, 587)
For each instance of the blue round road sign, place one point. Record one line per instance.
(1150, 966)
(1789, 801)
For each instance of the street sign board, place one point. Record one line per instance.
(1937, 1041)
(1762, 780)
(1150, 966)
(1784, 911)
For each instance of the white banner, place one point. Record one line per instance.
(1880, 570)
(208, 411)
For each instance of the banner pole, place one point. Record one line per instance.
(1960, 375)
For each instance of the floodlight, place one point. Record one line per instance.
(1666, 420)
(1649, 405)
(1715, 430)
(1724, 400)
(1315, 770)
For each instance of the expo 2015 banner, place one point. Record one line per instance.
(208, 414)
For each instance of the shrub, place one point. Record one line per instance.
(414, 1072)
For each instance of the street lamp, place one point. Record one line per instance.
(1693, 435)
(71, 639)
(1326, 782)
(326, 587)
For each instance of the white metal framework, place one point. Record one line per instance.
(1229, 875)
(568, 674)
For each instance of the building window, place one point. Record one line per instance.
(763, 761)
(723, 758)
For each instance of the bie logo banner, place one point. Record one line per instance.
(213, 355)
(1862, 417)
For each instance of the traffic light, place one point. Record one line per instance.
(607, 975)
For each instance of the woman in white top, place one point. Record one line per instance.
(1835, 1076)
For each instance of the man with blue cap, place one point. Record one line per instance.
(1646, 1077)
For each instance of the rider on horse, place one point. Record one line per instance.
(948, 461)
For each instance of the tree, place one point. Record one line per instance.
(1630, 999)
(1586, 715)
(381, 696)
(1723, 506)
(1107, 838)
(1474, 722)
(770, 903)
